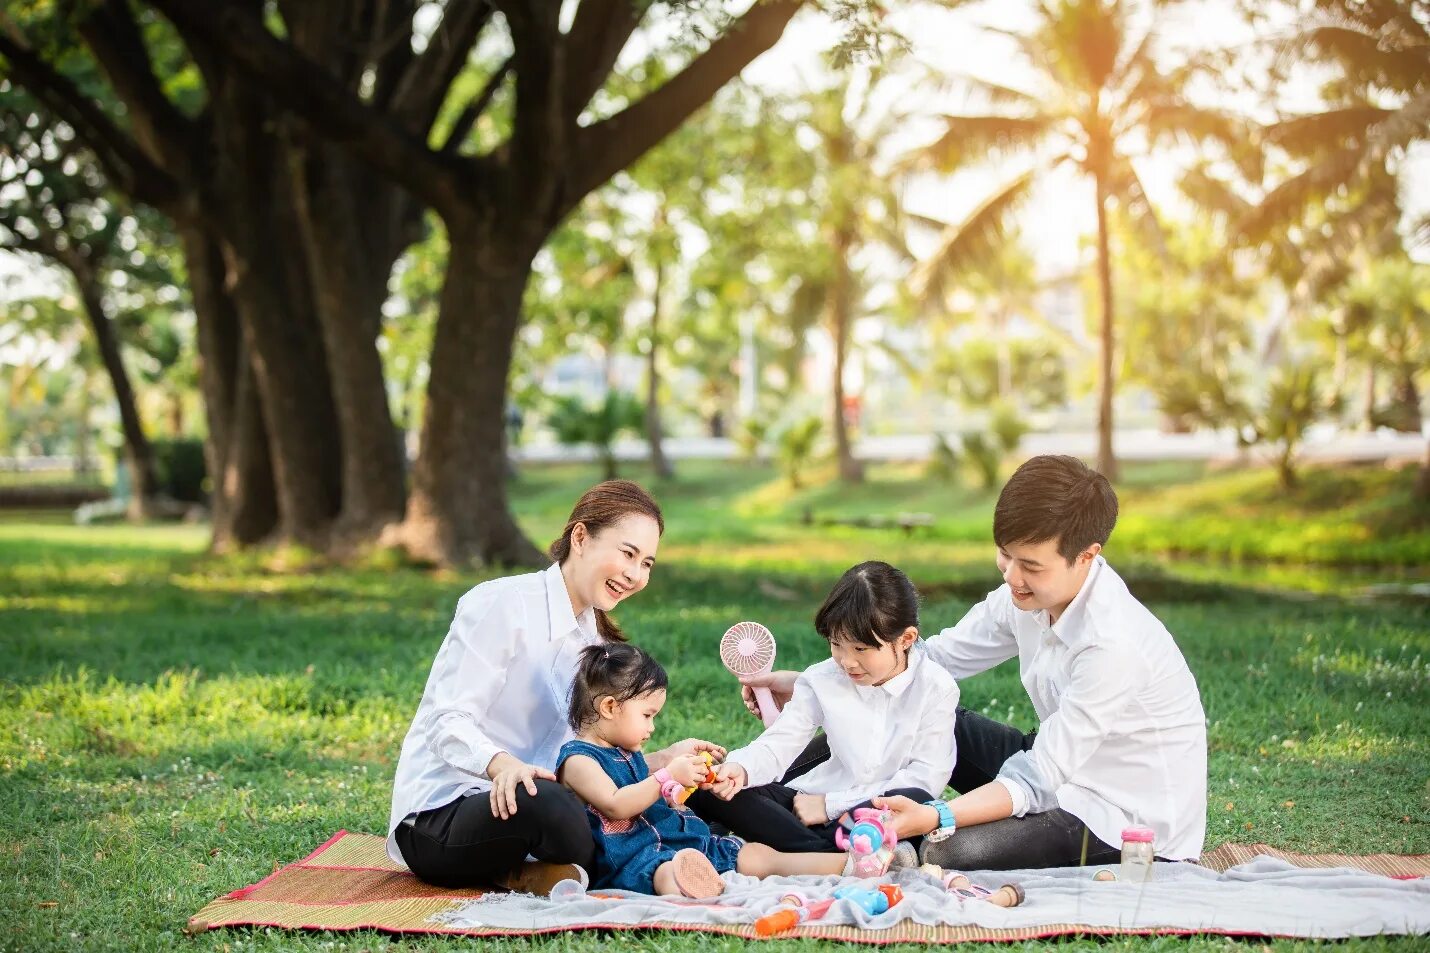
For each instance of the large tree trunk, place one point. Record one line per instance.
(839, 304)
(350, 253)
(243, 499)
(457, 511)
(137, 451)
(658, 460)
(267, 270)
(1106, 460)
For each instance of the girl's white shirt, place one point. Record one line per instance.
(1122, 736)
(500, 682)
(881, 737)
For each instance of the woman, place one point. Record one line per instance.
(475, 795)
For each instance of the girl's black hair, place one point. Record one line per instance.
(871, 604)
(618, 669)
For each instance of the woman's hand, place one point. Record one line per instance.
(780, 684)
(694, 746)
(507, 773)
(689, 769)
(730, 779)
(811, 809)
(911, 819)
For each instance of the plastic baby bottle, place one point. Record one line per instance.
(1137, 855)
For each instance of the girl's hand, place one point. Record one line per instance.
(504, 784)
(730, 779)
(688, 769)
(810, 809)
(911, 819)
(780, 684)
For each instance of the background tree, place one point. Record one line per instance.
(1100, 94)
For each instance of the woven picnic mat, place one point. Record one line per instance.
(349, 883)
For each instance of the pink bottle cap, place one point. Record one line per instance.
(1137, 834)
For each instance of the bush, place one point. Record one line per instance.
(943, 460)
(751, 438)
(576, 422)
(984, 458)
(181, 470)
(796, 448)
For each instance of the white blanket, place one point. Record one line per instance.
(1266, 897)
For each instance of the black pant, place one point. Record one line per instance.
(765, 815)
(1050, 839)
(462, 845)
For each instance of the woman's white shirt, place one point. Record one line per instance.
(881, 737)
(500, 682)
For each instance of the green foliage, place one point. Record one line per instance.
(984, 457)
(1007, 427)
(751, 436)
(181, 470)
(597, 425)
(795, 448)
(943, 461)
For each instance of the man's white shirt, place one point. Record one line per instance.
(1122, 734)
(881, 737)
(500, 682)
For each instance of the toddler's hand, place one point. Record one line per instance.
(688, 769)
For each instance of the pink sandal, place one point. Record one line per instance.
(696, 876)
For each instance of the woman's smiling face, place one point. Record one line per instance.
(606, 568)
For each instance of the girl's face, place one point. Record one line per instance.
(629, 724)
(867, 665)
(606, 568)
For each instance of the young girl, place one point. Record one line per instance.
(886, 709)
(642, 843)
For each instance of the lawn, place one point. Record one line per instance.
(173, 725)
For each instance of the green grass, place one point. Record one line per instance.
(172, 726)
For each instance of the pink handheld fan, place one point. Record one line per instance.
(748, 648)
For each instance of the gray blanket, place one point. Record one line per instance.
(1265, 897)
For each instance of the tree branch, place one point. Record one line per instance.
(306, 89)
(474, 109)
(127, 165)
(159, 127)
(601, 150)
(418, 95)
(595, 40)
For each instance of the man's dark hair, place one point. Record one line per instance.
(618, 669)
(1055, 497)
(871, 604)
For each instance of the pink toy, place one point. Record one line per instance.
(870, 841)
(748, 648)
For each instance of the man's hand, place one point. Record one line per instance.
(810, 809)
(911, 819)
(507, 773)
(691, 746)
(780, 684)
(730, 779)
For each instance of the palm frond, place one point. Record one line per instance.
(1333, 129)
(1367, 58)
(968, 139)
(1285, 203)
(1127, 188)
(1409, 123)
(971, 242)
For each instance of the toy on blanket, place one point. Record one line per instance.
(1008, 895)
(797, 908)
(870, 841)
(676, 794)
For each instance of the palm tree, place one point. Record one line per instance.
(1101, 94)
(858, 209)
(1377, 109)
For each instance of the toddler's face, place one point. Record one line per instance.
(633, 721)
(867, 665)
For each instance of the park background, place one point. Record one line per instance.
(317, 314)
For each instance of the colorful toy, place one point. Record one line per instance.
(869, 838)
(676, 794)
(799, 909)
(1008, 895)
(748, 648)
